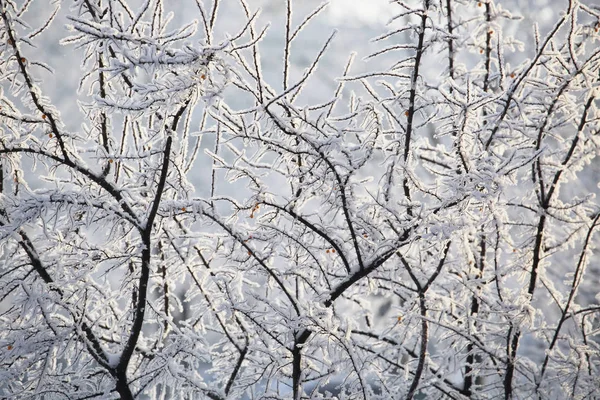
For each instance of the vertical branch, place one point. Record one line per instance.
(213, 182)
(103, 116)
(255, 54)
(299, 341)
(126, 128)
(165, 289)
(412, 97)
(297, 371)
(413, 87)
(140, 309)
(467, 389)
(512, 344)
(488, 45)
(205, 22)
(213, 15)
(1, 176)
(286, 50)
(423, 347)
(450, 40)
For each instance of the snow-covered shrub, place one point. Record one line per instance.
(201, 227)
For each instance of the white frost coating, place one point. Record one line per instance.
(305, 241)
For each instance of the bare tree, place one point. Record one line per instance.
(424, 232)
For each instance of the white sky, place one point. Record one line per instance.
(360, 11)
